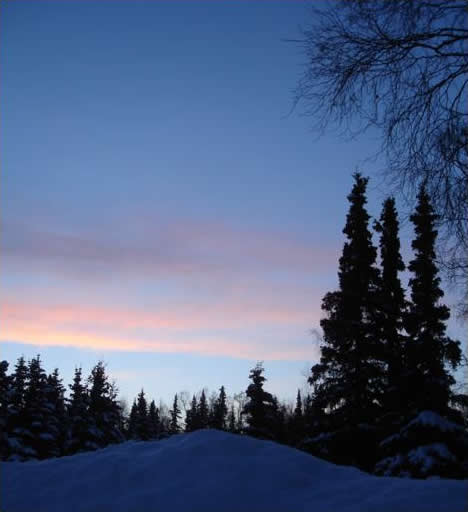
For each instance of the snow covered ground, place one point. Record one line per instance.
(209, 471)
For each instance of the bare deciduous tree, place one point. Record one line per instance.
(399, 66)
(240, 399)
(184, 400)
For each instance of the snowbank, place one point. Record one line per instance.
(209, 471)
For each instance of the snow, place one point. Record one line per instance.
(389, 465)
(432, 419)
(208, 470)
(424, 419)
(428, 455)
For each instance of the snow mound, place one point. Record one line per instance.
(432, 419)
(209, 471)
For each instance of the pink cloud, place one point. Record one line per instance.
(176, 331)
(178, 283)
(185, 317)
(208, 347)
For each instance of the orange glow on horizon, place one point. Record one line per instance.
(108, 329)
(219, 347)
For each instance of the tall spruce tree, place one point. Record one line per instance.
(40, 413)
(78, 435)
(17, 426)
(5, 397)
(154, 421)
(104, 410)
(191, 419)
(203, 412)
(279, 421)
(431, 440)
(298, 408)
(260, 408)
(58, 419)
(297, 423)
(220, 411)
(347, 379)
(132, 421)
(431, 350)
(142, 427)
(314, 420)
(392, 311)
(175, 413)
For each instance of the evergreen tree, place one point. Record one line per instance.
(142, 427)
(392, 311)
(314, 420)
(347, 380)
(260, 409)
(203, 413)
(220, 411)
(154, 421)
(432, 440)
(191, 420)
(430, 348)
(40, 413)
(279, 421)
(175, 413)
(298, 409)
(18, 431)
(78, 435)
(55, 395)
(296, 429)
(103, 408)
(393, 307)
(132, 422)
(5, 397)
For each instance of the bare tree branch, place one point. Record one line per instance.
(400, 66)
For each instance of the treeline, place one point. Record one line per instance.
(39, 420)
(381, 396)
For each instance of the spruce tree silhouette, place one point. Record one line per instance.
(431, 439)
(346, 380)
(174, 427)
(260, 409)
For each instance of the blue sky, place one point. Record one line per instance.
(160, 207)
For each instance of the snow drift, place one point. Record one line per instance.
(209, 470)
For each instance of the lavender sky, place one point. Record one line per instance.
(160, 208)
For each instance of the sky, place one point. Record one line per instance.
(162, 207)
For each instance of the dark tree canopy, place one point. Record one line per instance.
(191, 418)
(261, 408)
(175, 413)
(5, 392)
(431, 349)
(392, 308)
(220, 411)
(154, 421)
(103, 407)
(399, 66)
(142, 425)
(427, 420)
(344, 378)
(203, 412)
(347, 380)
